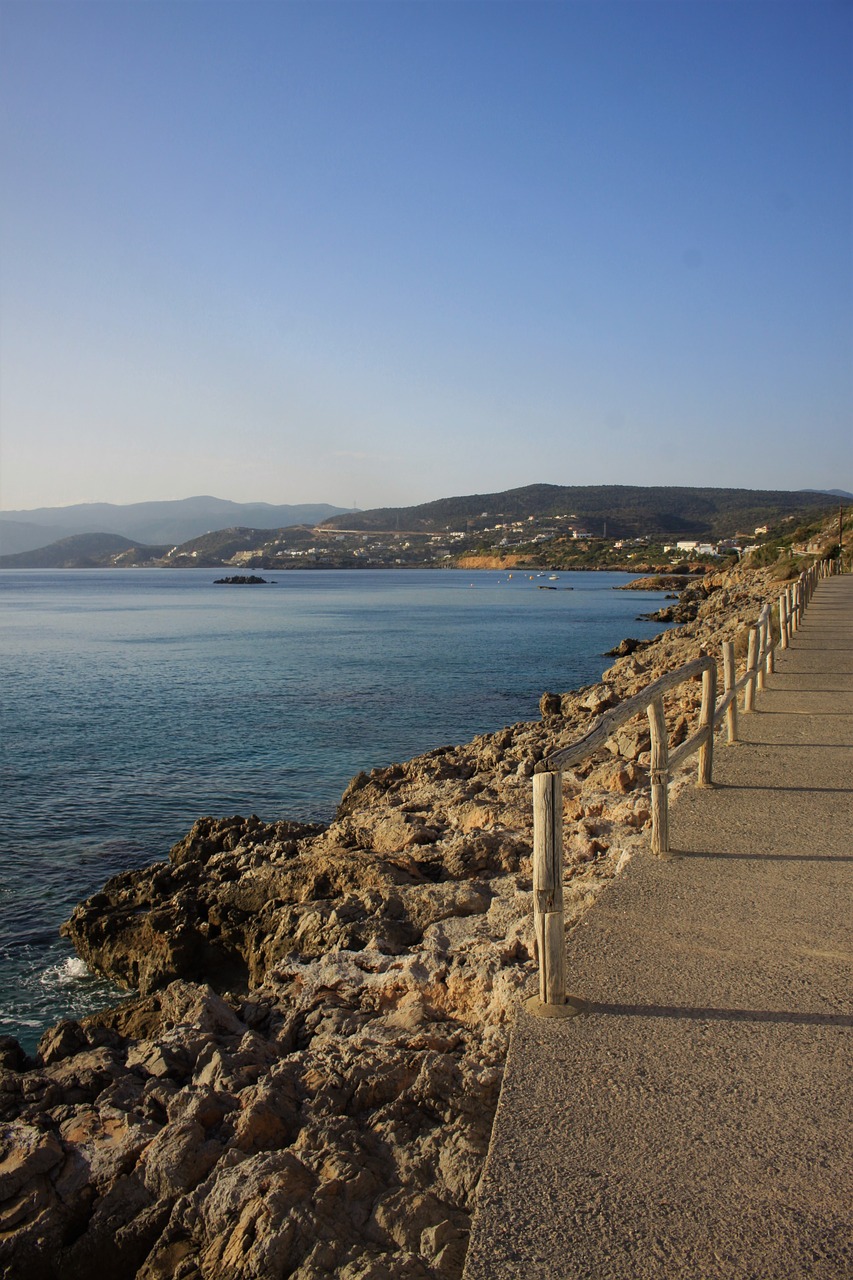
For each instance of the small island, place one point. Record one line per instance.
(241, 580)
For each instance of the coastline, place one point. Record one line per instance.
(349, 1062)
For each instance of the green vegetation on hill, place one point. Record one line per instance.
(788, 550)
(626, 510)
(223, 544)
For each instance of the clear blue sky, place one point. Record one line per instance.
(378, 253)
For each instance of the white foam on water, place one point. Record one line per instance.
(65, 972)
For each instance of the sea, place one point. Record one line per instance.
(135, 701)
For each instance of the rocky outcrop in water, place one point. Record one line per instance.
(305, 1081)
(241, 580)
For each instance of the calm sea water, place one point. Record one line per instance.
(135, 701)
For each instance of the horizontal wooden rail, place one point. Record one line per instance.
(549, 919)
(611, 720)
(686, 749)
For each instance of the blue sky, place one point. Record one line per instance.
(377, 253)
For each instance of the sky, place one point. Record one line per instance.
(375, 253)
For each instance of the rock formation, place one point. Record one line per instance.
(304, 1082)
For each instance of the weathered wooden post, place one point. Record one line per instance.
(729, 676)
(783, 621)
(770, 656)
(706, 721)
(548, 915)
(751, 662)
(659, 776)
(761, 656)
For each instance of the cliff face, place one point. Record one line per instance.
(305, 1084)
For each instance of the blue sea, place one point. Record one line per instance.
(135, 701)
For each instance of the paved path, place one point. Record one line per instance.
(697, 1122)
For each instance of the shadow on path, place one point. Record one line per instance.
(763, 857)
(700, 1014)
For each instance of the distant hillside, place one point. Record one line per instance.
(227, 542)
(218, 547)
(23, 535)
(111, 550)
(84, 551)
(151, 522)
(628, 510)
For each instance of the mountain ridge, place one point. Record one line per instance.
(628, 510)
(173, 521)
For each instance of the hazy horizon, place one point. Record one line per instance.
(372, 255)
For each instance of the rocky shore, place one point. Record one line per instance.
(304, 1082)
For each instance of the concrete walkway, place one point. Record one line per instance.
(696, 1123)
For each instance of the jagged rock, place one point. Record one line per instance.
(550, 704)
(626, 646)
(600, 697)
(630, 741)
(61, 1041)
(12, 1056)
(27, 1152)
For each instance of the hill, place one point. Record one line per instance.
(627, 510)
(171, 522)
(222, 545)
(85, 551)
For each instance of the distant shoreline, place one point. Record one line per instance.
(520, 570)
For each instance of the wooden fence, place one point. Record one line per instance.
(548, 913)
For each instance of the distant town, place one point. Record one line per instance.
(488, 541)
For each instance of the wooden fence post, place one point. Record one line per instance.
(729, 674)
(548, 915)
(761, 656)
(706, 721)
(659, 775)
(783, 621)
(752, 658)
(770, 657)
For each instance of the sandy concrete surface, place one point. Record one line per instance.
(696, 1123)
